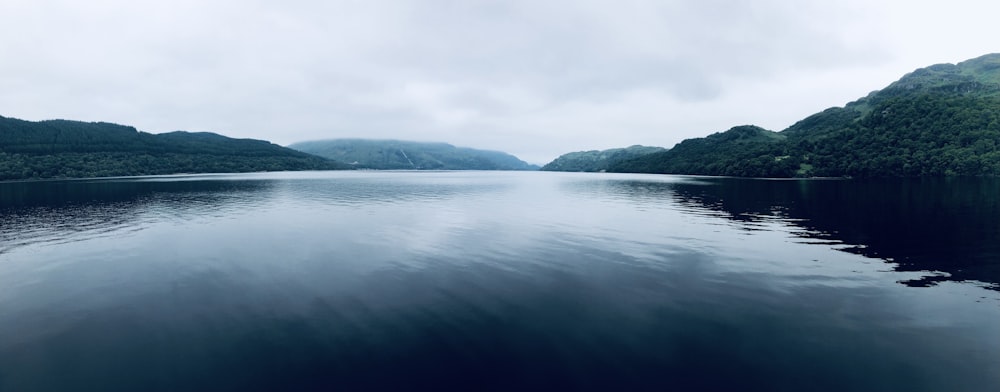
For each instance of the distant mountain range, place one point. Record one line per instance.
(407, 155)
(73, 149)
(941, 120)
(598, 161)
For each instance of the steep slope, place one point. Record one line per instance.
(73, 149)
(596, 161)
(936, 121)
(407, 155)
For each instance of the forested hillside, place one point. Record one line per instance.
(73, 149)
(936, 121)
(407, 155)
(597, 161)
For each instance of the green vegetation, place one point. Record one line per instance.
(598, 161)
(741, 151)
(937, 121)
(396, 154)
(73, 149)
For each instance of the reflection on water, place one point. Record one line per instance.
(947, 225)
(51, 211)
(472, 280)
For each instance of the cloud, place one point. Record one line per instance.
(529, 77)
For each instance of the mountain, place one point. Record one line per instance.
(397, 154)
(940, 120)
(73, 149)
(597, 161)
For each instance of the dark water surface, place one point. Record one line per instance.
(498, 281)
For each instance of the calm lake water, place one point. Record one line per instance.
(498, 281)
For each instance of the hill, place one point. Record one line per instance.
(736, 152)
(407, 155)
(73, 149)
(597, 161)
(936, 121)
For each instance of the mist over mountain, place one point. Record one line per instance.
(409, 155)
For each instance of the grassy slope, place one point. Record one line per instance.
(596, 161)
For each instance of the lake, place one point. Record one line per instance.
(498, 281)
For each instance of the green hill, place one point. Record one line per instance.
(73, 149)
(936, 121)
(406, 155)
(736, 152)
(597, 161)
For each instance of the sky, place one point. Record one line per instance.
(532, 78)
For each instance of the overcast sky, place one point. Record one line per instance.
(535, 78)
